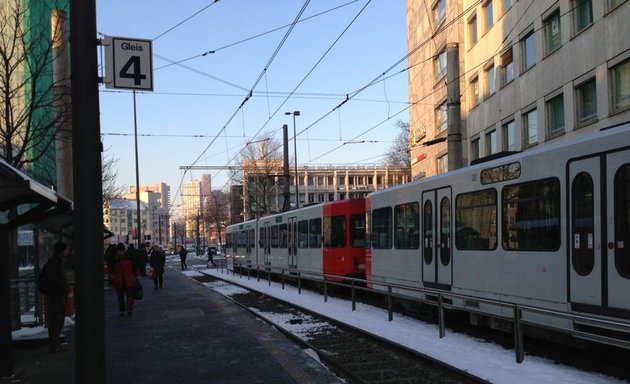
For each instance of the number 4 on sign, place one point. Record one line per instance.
(127, 72)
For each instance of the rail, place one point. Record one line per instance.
(516, 309)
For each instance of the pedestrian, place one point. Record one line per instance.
(125, 276)
(144, 259)
(210, 256)
(57, 294)
(157, 260)
(110, 261)
(182, 257)
(134, 255)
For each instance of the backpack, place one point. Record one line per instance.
(42, 281)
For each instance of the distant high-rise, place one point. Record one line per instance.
(206, 185)
(161, 188)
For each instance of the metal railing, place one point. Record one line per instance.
(441, 303)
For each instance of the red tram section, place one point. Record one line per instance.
(344, 239)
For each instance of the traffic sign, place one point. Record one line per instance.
(128, 63)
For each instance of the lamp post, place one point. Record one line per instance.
(297, 195)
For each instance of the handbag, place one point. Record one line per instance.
(151, 273)
(138, 292)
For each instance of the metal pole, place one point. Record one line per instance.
(389, 303)
(135, 136)
(287, 192)
(88, 196)
(441, 316)
(297, 183)
(518, 335)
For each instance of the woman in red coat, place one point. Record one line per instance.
(125, 275)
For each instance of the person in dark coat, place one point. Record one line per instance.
(58, 289)
(144, 259)
(182, 257)
(211, 251)
(157, 259)
(110, 260)
(125, 275)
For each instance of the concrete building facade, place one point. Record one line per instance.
(530, 72)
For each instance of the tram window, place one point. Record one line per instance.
(335, 232)
(303, 234)
(262, 238)
(315, 233)
(445, 231)
(274, 236)
(531, 216)
(357, 231)
(583, 224)
(407, 226)
(242, 239)
(382, 228)
(427, 221)
(622, 221)
(252, 238)
(476, 220)
(283, 236)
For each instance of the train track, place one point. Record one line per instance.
(351, 353)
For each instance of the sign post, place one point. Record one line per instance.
(129, 63)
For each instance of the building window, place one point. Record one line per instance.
(530, 122)
(529, 51)
(441, 118)
(440, 65)
(509, 136)
(507, 68)
(439, 12)
(442, 164)
(555, 115)
(490, 80)
(621, 86)
(612, 4)
(491, 143)
(474, 92)
(552, 32)
(488, 15)
(472, 29)
(474, 149)
(582, 14)
(586, 98)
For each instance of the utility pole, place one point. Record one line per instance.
(285, 144)
(453, 105)
(88, 196)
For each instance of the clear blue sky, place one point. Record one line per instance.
(196, 108)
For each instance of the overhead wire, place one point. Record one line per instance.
(185, 20)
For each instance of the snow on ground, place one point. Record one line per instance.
(483, 359)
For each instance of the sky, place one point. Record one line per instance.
(199, 113)
(481, 358)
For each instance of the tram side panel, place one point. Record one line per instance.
(344, 239)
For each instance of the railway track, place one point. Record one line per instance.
(351, 353)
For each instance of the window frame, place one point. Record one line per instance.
(526, 127)
(507, 67)
(473, 33)
(407, 225)
(576, 7)
(376, 240)
(474, 213)
(488, 22)
(491, 137)
(549, 105)
(438, 18)
(490, 85)
(474, 91)
(506, 135)
(441, 124)
(440, 72)
(528, 40)
(617, 107)
(580, 102)
(548, 23)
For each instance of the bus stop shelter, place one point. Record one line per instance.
(22, 201)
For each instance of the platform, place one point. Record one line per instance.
(183, 333)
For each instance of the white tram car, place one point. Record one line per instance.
(549, 227)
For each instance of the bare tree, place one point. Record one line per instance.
(399, 153)
(28, 119)
(110, 188)
(217, 212)
(262, 172)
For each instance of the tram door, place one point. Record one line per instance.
(437, 238)
(292, 241)
(599, 225)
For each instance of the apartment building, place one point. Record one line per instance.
(530, 72)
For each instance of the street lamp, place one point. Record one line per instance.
(297, 195)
